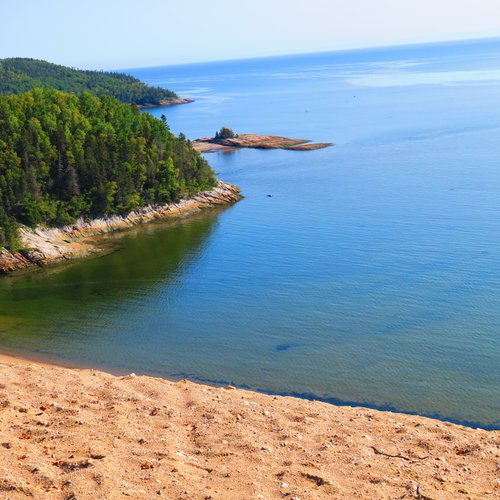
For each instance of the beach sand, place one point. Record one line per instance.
(68, 433)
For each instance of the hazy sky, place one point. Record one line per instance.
(128, 33)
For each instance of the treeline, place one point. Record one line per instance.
(20, 75)
(64, 156)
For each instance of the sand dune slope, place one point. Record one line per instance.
(85, 434)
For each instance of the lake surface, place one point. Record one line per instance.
(372, 274)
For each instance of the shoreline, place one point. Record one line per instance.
(44, 246)
(90, 433)
(256, 141)
(166, 103)
(48, 361)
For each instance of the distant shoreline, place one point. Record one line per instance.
(166, 103)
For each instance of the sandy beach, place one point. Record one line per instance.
(71, 433)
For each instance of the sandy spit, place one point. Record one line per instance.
(68, 433)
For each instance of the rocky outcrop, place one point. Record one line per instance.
(210, 144)
(10, 262)
(45, 245)
(167, 102)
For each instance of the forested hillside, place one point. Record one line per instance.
(20, 75)
(63, 156)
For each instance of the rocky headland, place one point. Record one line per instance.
(44, 245)
(167, 102)
(67, 434)
(210, 144)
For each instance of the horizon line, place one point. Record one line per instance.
(327, 51)
(447, 41)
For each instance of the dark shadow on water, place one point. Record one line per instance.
(285, 346)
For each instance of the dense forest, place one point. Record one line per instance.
(20, 75)
(64, 156)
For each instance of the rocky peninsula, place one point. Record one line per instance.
(211, 144)
(68, 433)
(167, 102)
(44, 245)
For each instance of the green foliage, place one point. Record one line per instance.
(64, 156)
(8, 232)
(20, 75)
(225, 133)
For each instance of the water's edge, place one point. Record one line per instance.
(44, 246)
(13, 356)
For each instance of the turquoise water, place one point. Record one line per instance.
(371, 276)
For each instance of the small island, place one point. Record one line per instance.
(226, 140)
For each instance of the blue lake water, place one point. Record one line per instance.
(372, 274)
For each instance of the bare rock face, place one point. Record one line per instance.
(44, 245)
(254, 141)
(10, 262)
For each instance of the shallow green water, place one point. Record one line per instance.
(35, 304)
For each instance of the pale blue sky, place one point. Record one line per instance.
(107, 34)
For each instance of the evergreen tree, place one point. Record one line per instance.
(225, 133)
(64, 156)
(21, 74)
